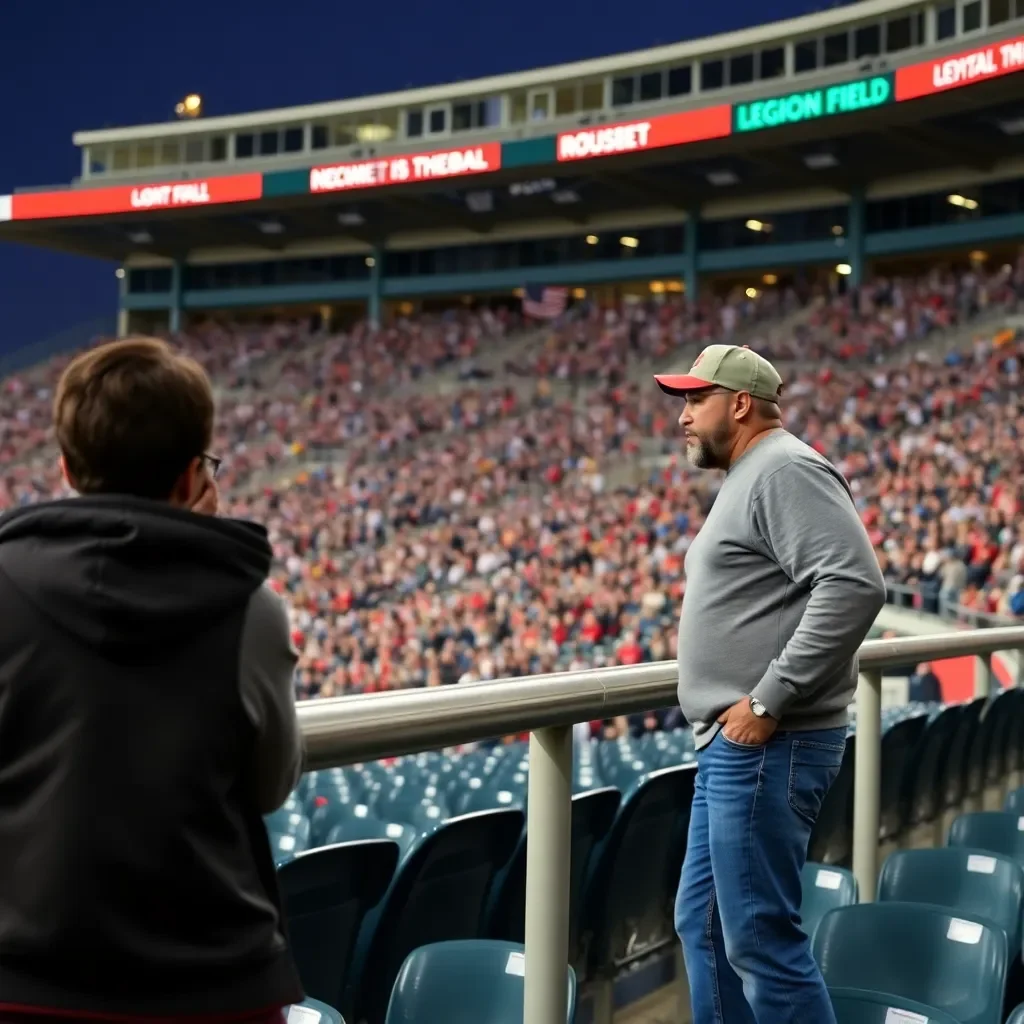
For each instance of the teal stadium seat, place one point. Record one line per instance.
(983, 885)
(926, 782)
(630, 888)
(327, 894)
(1017, 1017)
(832, 837)
(371, 828)
(825, 888)
(900, 744)
(437, 895)
(856, 1007)
(995, 831)
(312, 1011)
(592, 815)
(474, 982)
(953, 962)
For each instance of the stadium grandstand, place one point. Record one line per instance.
(432, 318)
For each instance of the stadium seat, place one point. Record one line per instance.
(832, 837)
(899, 759)
(592, 816)
(437, 895)
(326, 894)
(630, 888)
(824, 888)
(955, 963)
(983, 885)
(1017, 1017)
(926, 783)
(370, 828)
(470, 982)
(995, 831)
(853, 1006)
(312, 1011)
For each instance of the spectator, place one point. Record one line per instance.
(147, 719)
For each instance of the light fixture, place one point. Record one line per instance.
(751, 293)
(271, 227)
(755, 225)
(579, 293)
(351, 218)
(657, 287)
(838, 229)
(722, 178)
(140, 237)
(374, 133)
(978, 256)
(565, 196)
(190, 106)
(629, 242)
(770, 279)
(370, 261)
(844, 269)
(962, 201)
(119, 273)
(673, 286)
(820, 161)
(592, 239)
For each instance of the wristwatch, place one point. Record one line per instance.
(758, 708)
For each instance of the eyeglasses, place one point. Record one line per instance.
(213, 462)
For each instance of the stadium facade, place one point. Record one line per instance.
(862, 135)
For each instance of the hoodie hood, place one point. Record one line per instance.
(123, 573)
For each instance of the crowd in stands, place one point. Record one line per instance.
(508, 523)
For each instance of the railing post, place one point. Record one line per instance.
(867, 783)
(549, 810)
(983, 675)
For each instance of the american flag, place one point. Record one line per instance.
(544, 303)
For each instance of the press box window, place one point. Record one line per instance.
(293, 140)
(414, 124)
(773, 62)
(320, 136)
(1000, 11)
(945, 22)
(651, 86)
(867, 41)
(268, 143)
(898, 35)
(244, 146)
(741, 69)
(712, 75)
(837, 49)
(622, 91)
(680, 80)
(438, 121)
(972, 16)
(805, 56)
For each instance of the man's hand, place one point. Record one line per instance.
(207, 502)
(741, 725)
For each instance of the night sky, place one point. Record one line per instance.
(71, 65)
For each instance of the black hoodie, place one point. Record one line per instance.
(135, 872)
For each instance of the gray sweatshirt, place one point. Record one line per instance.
(782, 586)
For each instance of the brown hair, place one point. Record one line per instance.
(130, 416)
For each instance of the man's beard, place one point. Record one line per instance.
(708, 451)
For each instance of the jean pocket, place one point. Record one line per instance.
(741, 746)
(813, 767)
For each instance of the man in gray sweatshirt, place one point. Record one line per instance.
(782, 586)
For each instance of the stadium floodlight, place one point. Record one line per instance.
(370, 262)
(751, 293)
(190, 106)
(628, 242)
(592, 239)
(844, 269)
(119, 273)
(755, 225)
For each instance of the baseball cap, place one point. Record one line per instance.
(726, 366)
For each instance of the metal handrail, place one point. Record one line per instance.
(346, 730)
(351, 729)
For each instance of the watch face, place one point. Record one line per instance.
(757, 707)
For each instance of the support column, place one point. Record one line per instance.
(691, 259)
(867, 782)
(373, 308)
(855, 238)
(174, 312)
(122, 310)
(548, 831)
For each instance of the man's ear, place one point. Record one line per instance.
(744, 405)
(66, 473)
(189, 485)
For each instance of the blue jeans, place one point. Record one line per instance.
(748, 960)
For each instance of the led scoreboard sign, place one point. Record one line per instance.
(812, 104)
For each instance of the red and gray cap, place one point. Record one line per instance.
(732, 367)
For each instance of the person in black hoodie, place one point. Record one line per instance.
(147, 719)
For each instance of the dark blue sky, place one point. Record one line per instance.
(69, 65)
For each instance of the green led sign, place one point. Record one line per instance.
(848, 98)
